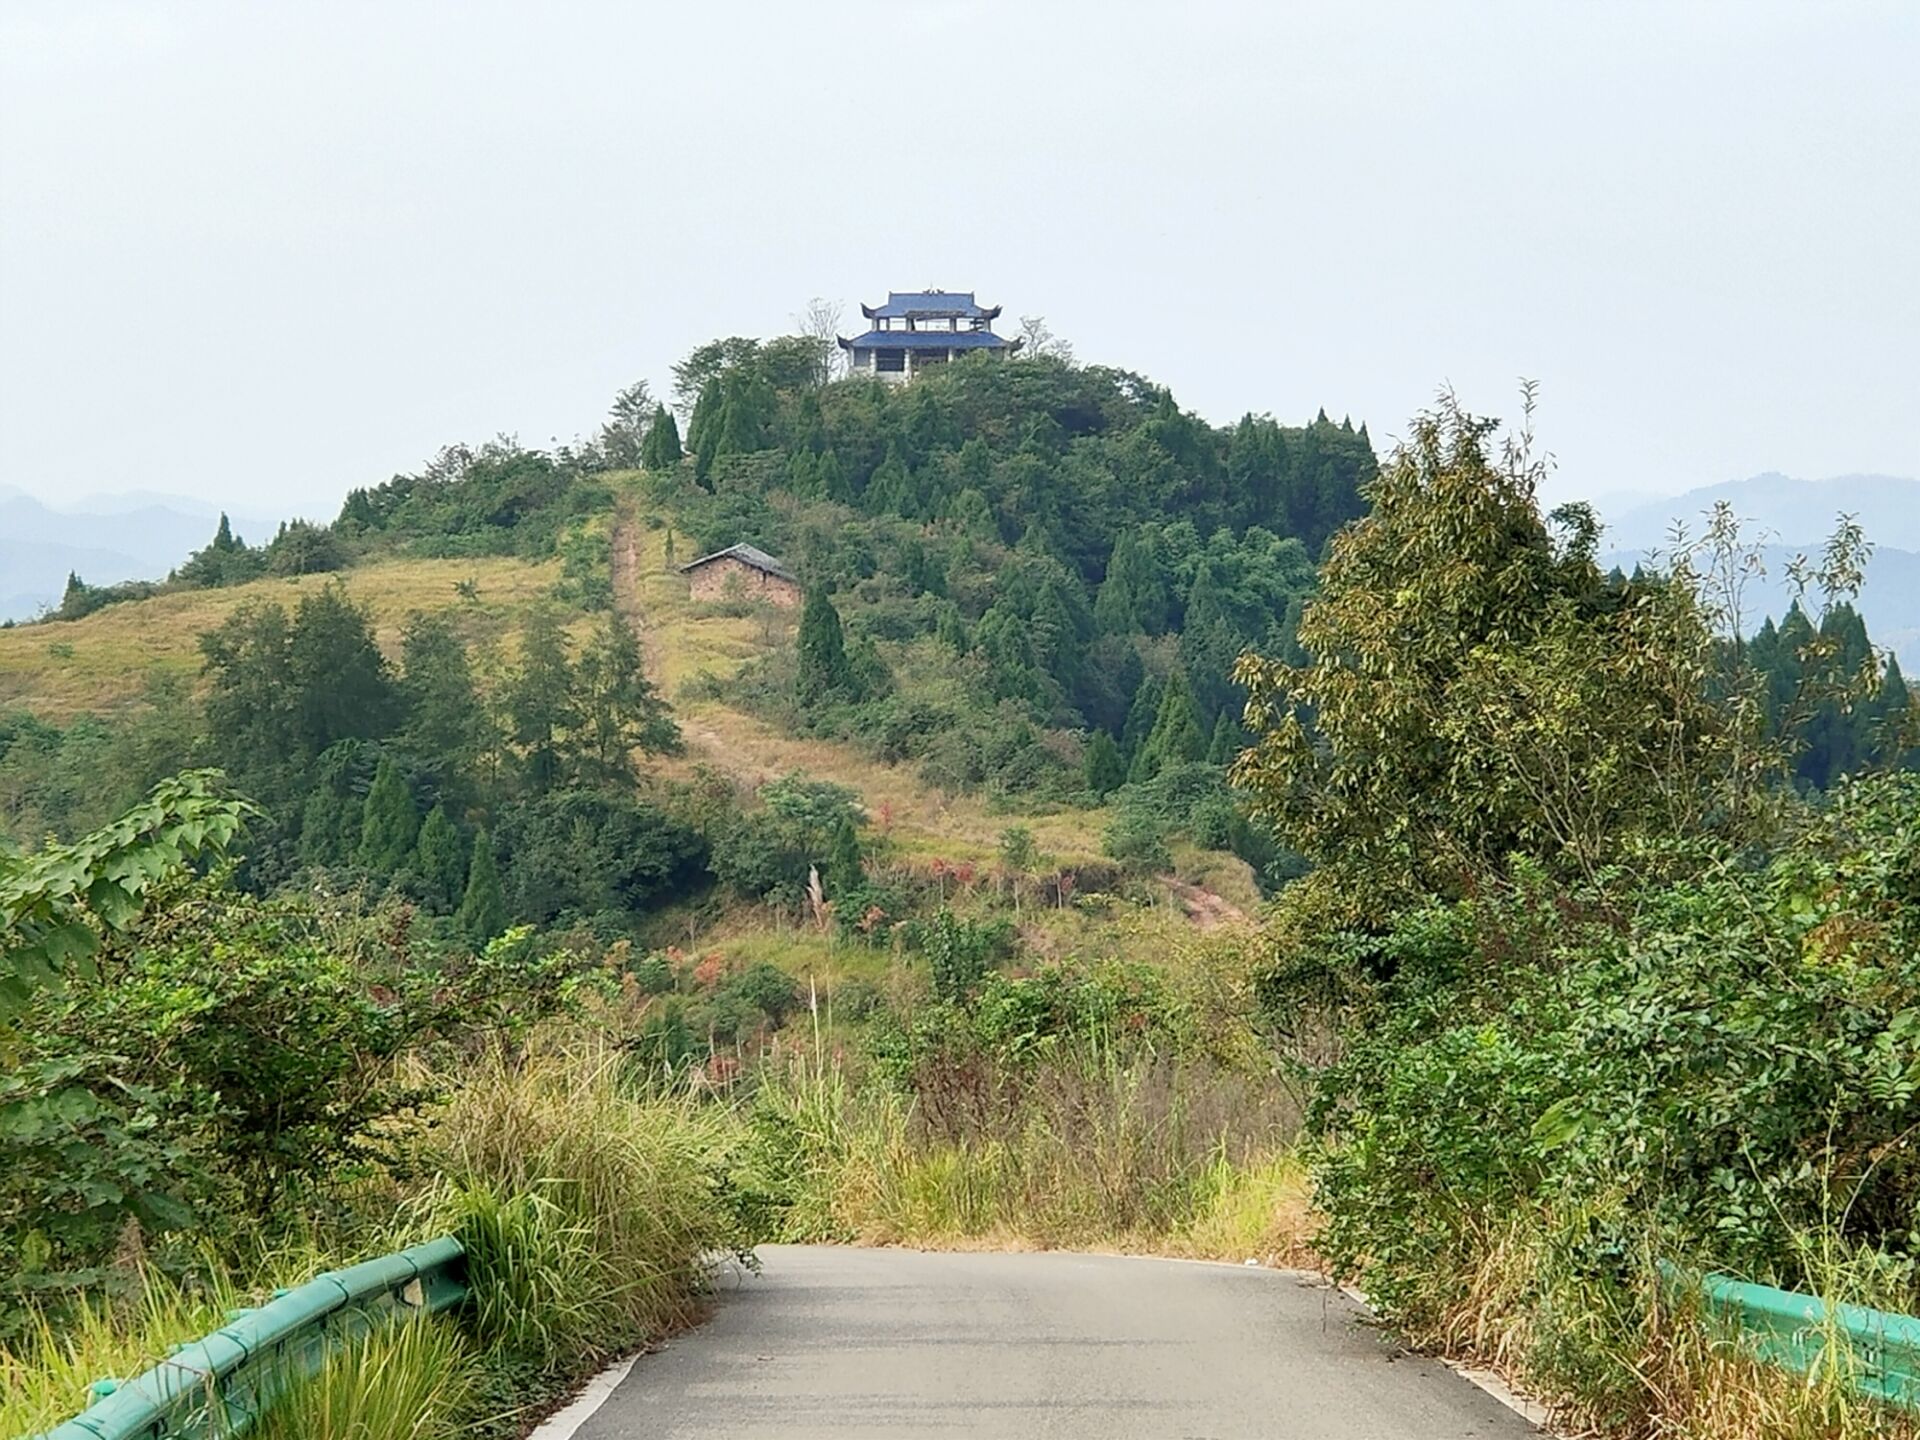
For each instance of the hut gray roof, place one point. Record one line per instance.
(746, 555)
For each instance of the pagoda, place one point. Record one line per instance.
(919, 329)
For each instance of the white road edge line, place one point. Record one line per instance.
(562, 1423)
(1490, 1382)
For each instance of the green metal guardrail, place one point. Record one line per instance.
(220, 1384)
(1880, 1351)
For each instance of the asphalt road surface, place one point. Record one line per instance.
(846, 1342)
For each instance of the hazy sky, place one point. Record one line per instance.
(262, 252)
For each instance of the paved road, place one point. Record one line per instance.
(846, 1342)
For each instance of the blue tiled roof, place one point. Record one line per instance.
(928, 340)
(927, 302)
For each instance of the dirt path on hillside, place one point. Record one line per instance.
(1207, 910)
(623, 562)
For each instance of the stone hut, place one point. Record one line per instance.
(742, 572)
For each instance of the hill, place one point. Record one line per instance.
(1034, 578)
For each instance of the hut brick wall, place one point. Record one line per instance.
(729, 578)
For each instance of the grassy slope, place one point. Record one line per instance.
(103, 663)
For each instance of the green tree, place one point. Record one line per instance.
(1105, 770)
(844, 874)
(661, 449)
(703, 429)
(483, 908)
(541, 703)
(1141, 714)
(622, 437)
(446, 725)
(823, 668)
(831, 478)
(619, 709)
(1226, 740)
(1475, 690)
(441, 858)
(1176, 735)
(340, 679)
(390, 823)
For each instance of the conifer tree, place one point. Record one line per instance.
(446, 719)
(951, 630)
(329, 826)
(619, 711)
(822, 651)
(703, 429)
(889, 488)
(831, 478)
(844, 872)
(390, 823)
(1176, 736)
(541, 702)
(441, 858)
(1105, 770)
(483, 909)
(661, 448)
(1226, 740)
(1140, 717)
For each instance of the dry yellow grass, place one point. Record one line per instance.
(102, 663)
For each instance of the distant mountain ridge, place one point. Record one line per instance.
(106, 538)
(1798, 514)
(1794, 517)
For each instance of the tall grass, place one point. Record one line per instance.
(590, 1208)
(46, 1372)
(1617, 1350)
(409, 1382)
(1086, 1148)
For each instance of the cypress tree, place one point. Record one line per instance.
(843, 860)
(329, 826)
(661, 449)
(483, 909)
(390, 823)
(1893, 715)
(889, 488)
(951, 630)
(823, 650)
(1226, 740)
(441, 858)
(831, 479)
(703, 429)
(1176, 733)
(1105, 770)
(1113, 606)
(1140, 717)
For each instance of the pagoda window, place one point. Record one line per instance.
(929, 357)
(890, 361)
